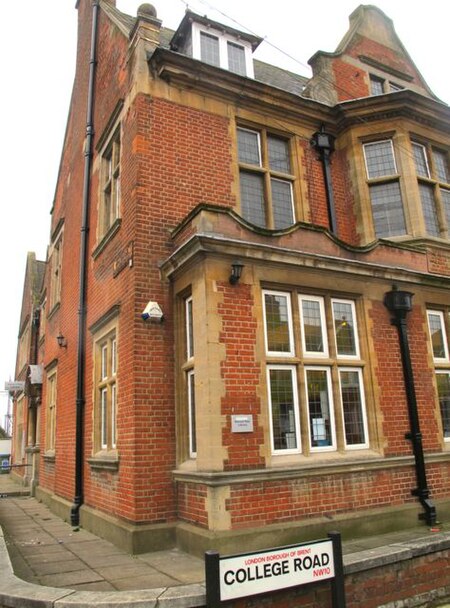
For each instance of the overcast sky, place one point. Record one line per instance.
(37, 50)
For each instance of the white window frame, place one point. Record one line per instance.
(114, 416)
(440, 314)
(291, 189)
(110, 182)
(190, 377)
(189, 319)
(51, 405)
(293, 370)
(55, 257)
(445, 372)
(258, 138)
(375, 143)
(106, 389)
(323, 325)
(355, 446)
(274, 353)
(333, 446)
(104, 418)
(357, 355)
(223, 38)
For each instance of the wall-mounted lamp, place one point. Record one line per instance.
(62, 342)
(236, 271)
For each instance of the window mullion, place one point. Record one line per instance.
(266, 172)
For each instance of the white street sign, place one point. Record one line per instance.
(18, 385)
(251, 574)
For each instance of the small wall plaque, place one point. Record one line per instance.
(242, 423)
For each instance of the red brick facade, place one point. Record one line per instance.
(181, 223)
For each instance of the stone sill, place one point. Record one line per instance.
(345, 466)
(104, 462)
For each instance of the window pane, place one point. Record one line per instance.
(113, 357)
(189, 329)
(429, 209)
(395, 87)
(192, 426)
(283, 212)
(236, 58)
(380, 159)
(344, 328)
(113, 415)
(376, 86)
(313, 332)
(252, 198)
(283, 409)
(387, 209)
(438, 337)
(104, 362)
(277, 312)
(445, 194)
(115, 199)
(441, 165)
(319, 410)
(104, 417)
(209, 49)
(443, 386)
(278, 154)
(420, 160)
(352, 407)
(248, 147)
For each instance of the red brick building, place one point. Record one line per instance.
(246, 304)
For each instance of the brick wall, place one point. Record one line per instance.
(241, 375)
(350, 81)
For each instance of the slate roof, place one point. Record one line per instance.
(277, 77)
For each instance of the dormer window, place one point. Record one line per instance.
(215, 44)
(221, 49)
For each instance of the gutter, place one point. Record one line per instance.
(82, 312)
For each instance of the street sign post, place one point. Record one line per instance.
(236, 576)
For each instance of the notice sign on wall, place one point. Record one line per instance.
(274, 569)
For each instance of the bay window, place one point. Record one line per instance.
(314, 374)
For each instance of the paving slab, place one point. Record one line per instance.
(131, 599)
(149, 581)
(44, 568)
(67, 579)
(136, 568)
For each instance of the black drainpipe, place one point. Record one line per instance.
(80, 400)
(399, 303)
(324, 143)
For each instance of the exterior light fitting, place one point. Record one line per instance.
(236, 271)
(62, 342)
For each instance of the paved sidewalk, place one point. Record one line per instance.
(46, 551)
(64, 566)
